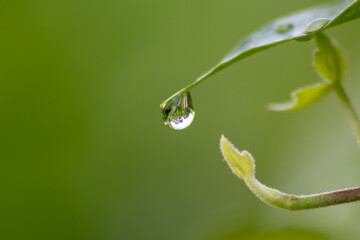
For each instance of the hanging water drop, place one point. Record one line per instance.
(178, 111)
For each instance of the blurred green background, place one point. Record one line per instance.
(85, 155)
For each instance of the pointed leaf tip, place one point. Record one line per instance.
(240, 162)
(303, 97)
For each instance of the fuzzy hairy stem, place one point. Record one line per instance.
(242, 164)
(301, 202)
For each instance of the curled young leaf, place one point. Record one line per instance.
(328, 61)
(303, 97)
(241, 163)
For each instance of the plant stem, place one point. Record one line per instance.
(301, 202)
(349, 109)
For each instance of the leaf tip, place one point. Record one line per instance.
(240, 162)
(278, 107)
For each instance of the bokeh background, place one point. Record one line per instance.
(85, 155)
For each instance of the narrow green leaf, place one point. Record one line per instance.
(303, 97)
(328, 60)
(300, 26)
(241, 163)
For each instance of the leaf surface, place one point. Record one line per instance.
(328, 61)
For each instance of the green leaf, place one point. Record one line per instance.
(328, 60)
(303, 97)
(300, 26)
(241, 163)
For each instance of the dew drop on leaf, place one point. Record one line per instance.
(316, 25)
(284, 27)
(178, 111)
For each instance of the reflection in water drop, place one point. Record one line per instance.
(178, 112)
(182, 122)
(283, 28)
(316, 25)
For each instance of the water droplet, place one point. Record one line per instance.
(316, 25)
(284, 27)
(178, 111)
